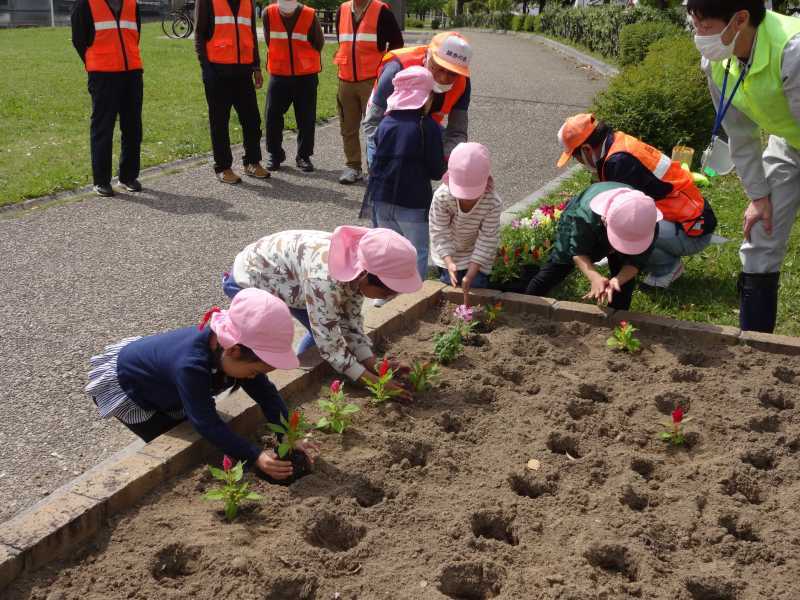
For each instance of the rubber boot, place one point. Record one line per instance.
(758, 301)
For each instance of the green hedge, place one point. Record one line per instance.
(635, 39)
(517, 23)
(598, 27)
(664, 100)
(413, 23)
(532, 23)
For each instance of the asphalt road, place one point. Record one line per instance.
(92, 271)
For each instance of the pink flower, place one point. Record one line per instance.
(623, 324)
(336, 385)
(677, 415)
(463, 312)
(384, 367)
(515, 224)
(227, 463)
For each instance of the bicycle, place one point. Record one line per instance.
(179, 23)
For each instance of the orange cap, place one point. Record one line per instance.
(451, 51)
(573, 133)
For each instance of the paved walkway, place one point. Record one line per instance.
(91, 272)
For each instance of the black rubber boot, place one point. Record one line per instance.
(758, 301)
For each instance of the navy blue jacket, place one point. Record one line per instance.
(173, 370)
(409, 154)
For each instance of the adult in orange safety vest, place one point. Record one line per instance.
(689, 220)
(106, 35)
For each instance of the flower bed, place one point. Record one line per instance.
(534, 468)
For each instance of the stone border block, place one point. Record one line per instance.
(577, 311)
(665, 326)
(178, 449)
(11, 565)
(523, 303)
(770, 342)
(477, 296)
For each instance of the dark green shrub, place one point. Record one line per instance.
(530, 23)
(436, 24)
(664, 100)
(414, 23)
(517, 22)
(635, 39)
(501, 21)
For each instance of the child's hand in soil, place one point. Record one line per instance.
(599, 286)
(269, 463)
(309, 448)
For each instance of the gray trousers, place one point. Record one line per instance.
(765, 253)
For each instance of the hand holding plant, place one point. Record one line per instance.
(338, 411)
(290, 432)
(233, 492)
(423, 375)
(382, 389)
(675, 435)
(623, 339)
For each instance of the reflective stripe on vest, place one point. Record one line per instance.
(415, 56)
(358, 57)
(290, 53)
(232, 42)
(761, 96)
(116, 43)
(684, 204)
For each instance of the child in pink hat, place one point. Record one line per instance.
(465, 219)
(409, 154)
(150, 384)
(607, 220)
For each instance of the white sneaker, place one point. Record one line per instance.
(664, 281)
(378, 302)
(350, 176)
(603, 262)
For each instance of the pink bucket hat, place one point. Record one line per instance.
(412, 86)
(630, 217)
(260, 321)
(382, 252)
(468, 170)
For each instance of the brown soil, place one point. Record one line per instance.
(434, 500)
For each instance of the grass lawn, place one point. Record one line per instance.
(707, 290)
(45, 107)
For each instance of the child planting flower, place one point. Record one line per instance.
(423, 375)
(339, 412)
(293, 444)
(676, 435)
(623, 338)
(233, 492)
(380, 389)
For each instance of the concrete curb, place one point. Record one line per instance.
(512, 211)
(75, 513)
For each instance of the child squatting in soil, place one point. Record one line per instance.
(150, 384)
(606, 220)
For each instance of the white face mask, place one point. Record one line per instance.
(589, 159)
(713, 48)
(441, 88)
(287, 6)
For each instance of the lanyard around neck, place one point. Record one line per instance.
(723, 105)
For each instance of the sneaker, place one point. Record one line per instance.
(257, 171)
(274, 162)
(664, 281)
(351, 175)
(104, 190)
(603, 262)
(131, 186)
(229, 177)
(378, 302)
(304, 164)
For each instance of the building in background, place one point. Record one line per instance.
(43, 13)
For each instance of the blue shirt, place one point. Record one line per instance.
(173, 370)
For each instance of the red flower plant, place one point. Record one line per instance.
(380, 390)
(677, 416)
(294, 419)
(384, 367)
(336, 385)
(675, 435)
(227, 463)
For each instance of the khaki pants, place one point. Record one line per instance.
(351, 101)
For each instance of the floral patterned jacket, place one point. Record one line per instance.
(293, 265)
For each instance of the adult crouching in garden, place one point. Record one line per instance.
(294, 41)
(323, 278)
(365, 30)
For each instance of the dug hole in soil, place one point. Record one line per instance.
(435, 499)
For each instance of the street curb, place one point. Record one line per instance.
(513, 211)
(73, 514)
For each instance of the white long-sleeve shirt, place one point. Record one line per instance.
(464, 236)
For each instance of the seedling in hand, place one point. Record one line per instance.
(233, 492)
(290, 432)
(675, 435)
(423, 375)
(623, 339)
(339, 412)
(381, 390)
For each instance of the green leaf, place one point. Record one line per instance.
(339, 426)
(214, 495)
(665, 435)
(238, 471)
(323, 423)
(230, 510)
(276, 428)
(350, 409)
(218, 473)
(253, 496)
(612, 343)
(284, 449)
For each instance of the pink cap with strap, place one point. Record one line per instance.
(630, 217)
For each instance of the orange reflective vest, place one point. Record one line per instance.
(116, 41)
(684, 204)
(415, 56)
(290, 52)
(232, 42)
(358, 56)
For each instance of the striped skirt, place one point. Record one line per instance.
(107, 393)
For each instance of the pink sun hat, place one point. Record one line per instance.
(382, 252)
(630, 217)
(260, 321)
(468, 170)
(412, 87)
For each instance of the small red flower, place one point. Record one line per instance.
(623, 324)
(677, 415)
(384, 368)
(227, 463)
(336, 385)
(294, 420)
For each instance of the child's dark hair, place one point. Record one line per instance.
(598, 136)
(725, 9)
(376, 281)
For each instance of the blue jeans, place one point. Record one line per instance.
(411, 223)
(231, 288)
(481, 279)
(672, 243)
